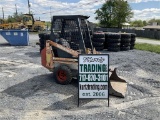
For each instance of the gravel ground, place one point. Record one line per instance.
(29, 92)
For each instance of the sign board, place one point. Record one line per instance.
(93, 76)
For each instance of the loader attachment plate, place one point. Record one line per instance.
(118, 86)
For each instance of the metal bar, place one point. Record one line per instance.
(89, 35)
(64, 59)
(81, 42)
(68, 50)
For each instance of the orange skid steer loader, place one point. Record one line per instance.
(69, 37)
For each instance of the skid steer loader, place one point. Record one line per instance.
(69, 37)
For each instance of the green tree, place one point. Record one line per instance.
(154, 20)
(144, 23)
(15, 17)
(137, 23)
(113, 13)
(104, 14)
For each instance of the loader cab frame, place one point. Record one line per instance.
(73, 28)
(28, 19)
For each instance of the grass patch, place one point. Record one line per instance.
(147, 47)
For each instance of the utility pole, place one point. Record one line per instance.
(3, 12)
(16, 9)
(50, 12)
(29, 7)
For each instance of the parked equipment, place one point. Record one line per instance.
(70, 37)
(31, 24)
(27, 22)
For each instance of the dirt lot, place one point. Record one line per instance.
(29, 92)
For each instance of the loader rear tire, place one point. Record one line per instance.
(63, 75)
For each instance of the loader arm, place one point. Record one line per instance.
(47, 55)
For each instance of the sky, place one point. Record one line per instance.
(44, 9)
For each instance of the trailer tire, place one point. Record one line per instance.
(101, 40)
(97, 44)
(111, 45)
(131, 47)
(125, 36)
(114, 36)
(133, 40)
(114, 49)
(99, 48)
(41, 35)
(133, 35)
(113, 40)
(42, 41)
(125, 48)
(125, 44)
(62, 75)
(98, 35)
(46, 36)
(124, 40)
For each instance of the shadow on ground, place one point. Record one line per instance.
(4, 44)
(47, 83)
(33, 54)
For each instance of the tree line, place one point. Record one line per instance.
(114, 13)
(140, 23)
(16, 17)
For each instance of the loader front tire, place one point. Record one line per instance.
(62, 75)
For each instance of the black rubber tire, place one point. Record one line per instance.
(62, 75)
(125, 48)
(125, 36)
(98, 35)
(97, 44)
(114, 36)
(125, 40)
(133, 40)
(106, 46)
(101, 40)
(40, 49)
(133, 35)
(111, 45)
(125, 44)
(47, 36)
(131, 47)
(113, 40)
(91, 32)
(99, 48)
(114, 49)
(42, 41)
(132, 44)
(42, 45)
(41, 35)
